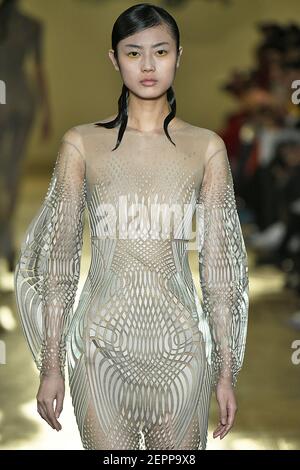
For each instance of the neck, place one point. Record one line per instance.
(147, 114)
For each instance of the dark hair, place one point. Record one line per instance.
(135, 19)
(6, 9)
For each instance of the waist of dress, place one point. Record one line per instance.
(163, 257)
(147, 241)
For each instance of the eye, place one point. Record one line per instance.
(162, 50)
(132, 52)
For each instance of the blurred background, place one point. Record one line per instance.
(239, 75)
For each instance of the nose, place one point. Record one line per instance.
(148, 63)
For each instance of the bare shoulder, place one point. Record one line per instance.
(73, 136)
(201, 132)
(107, 119)
(84, 131)
(206, 133)
(89, 129)
(211, 141)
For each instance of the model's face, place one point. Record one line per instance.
(149, 54)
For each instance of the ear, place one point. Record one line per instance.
(179, 56)
(111, 55)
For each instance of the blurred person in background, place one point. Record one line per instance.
(263, 140)
(21, 36)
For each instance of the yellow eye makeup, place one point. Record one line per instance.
(135, 52)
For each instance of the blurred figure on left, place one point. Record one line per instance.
(20, 36)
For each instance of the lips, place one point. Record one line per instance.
(148, 82)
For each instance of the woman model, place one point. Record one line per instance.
(143, 352)
(21, 37)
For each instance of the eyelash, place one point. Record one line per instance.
(135, 52)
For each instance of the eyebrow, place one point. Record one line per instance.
(141, 47)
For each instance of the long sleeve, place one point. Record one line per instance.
(223, 264)
(47, 271)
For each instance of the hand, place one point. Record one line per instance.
(51, 387)
(227, 408)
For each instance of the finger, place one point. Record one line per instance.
(53, 419)
(226, 430)
(219, 427)
(43, 414)
(231, 415)
(223, 413)
(59, 405)
(230, 421)
(51, 416)
(218, 430)
(218, 433)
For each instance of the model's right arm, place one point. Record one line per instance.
(48, 268)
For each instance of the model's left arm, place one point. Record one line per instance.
(223, 265)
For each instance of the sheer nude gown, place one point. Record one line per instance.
(144, 352)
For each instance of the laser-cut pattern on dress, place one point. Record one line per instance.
(144, 352)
